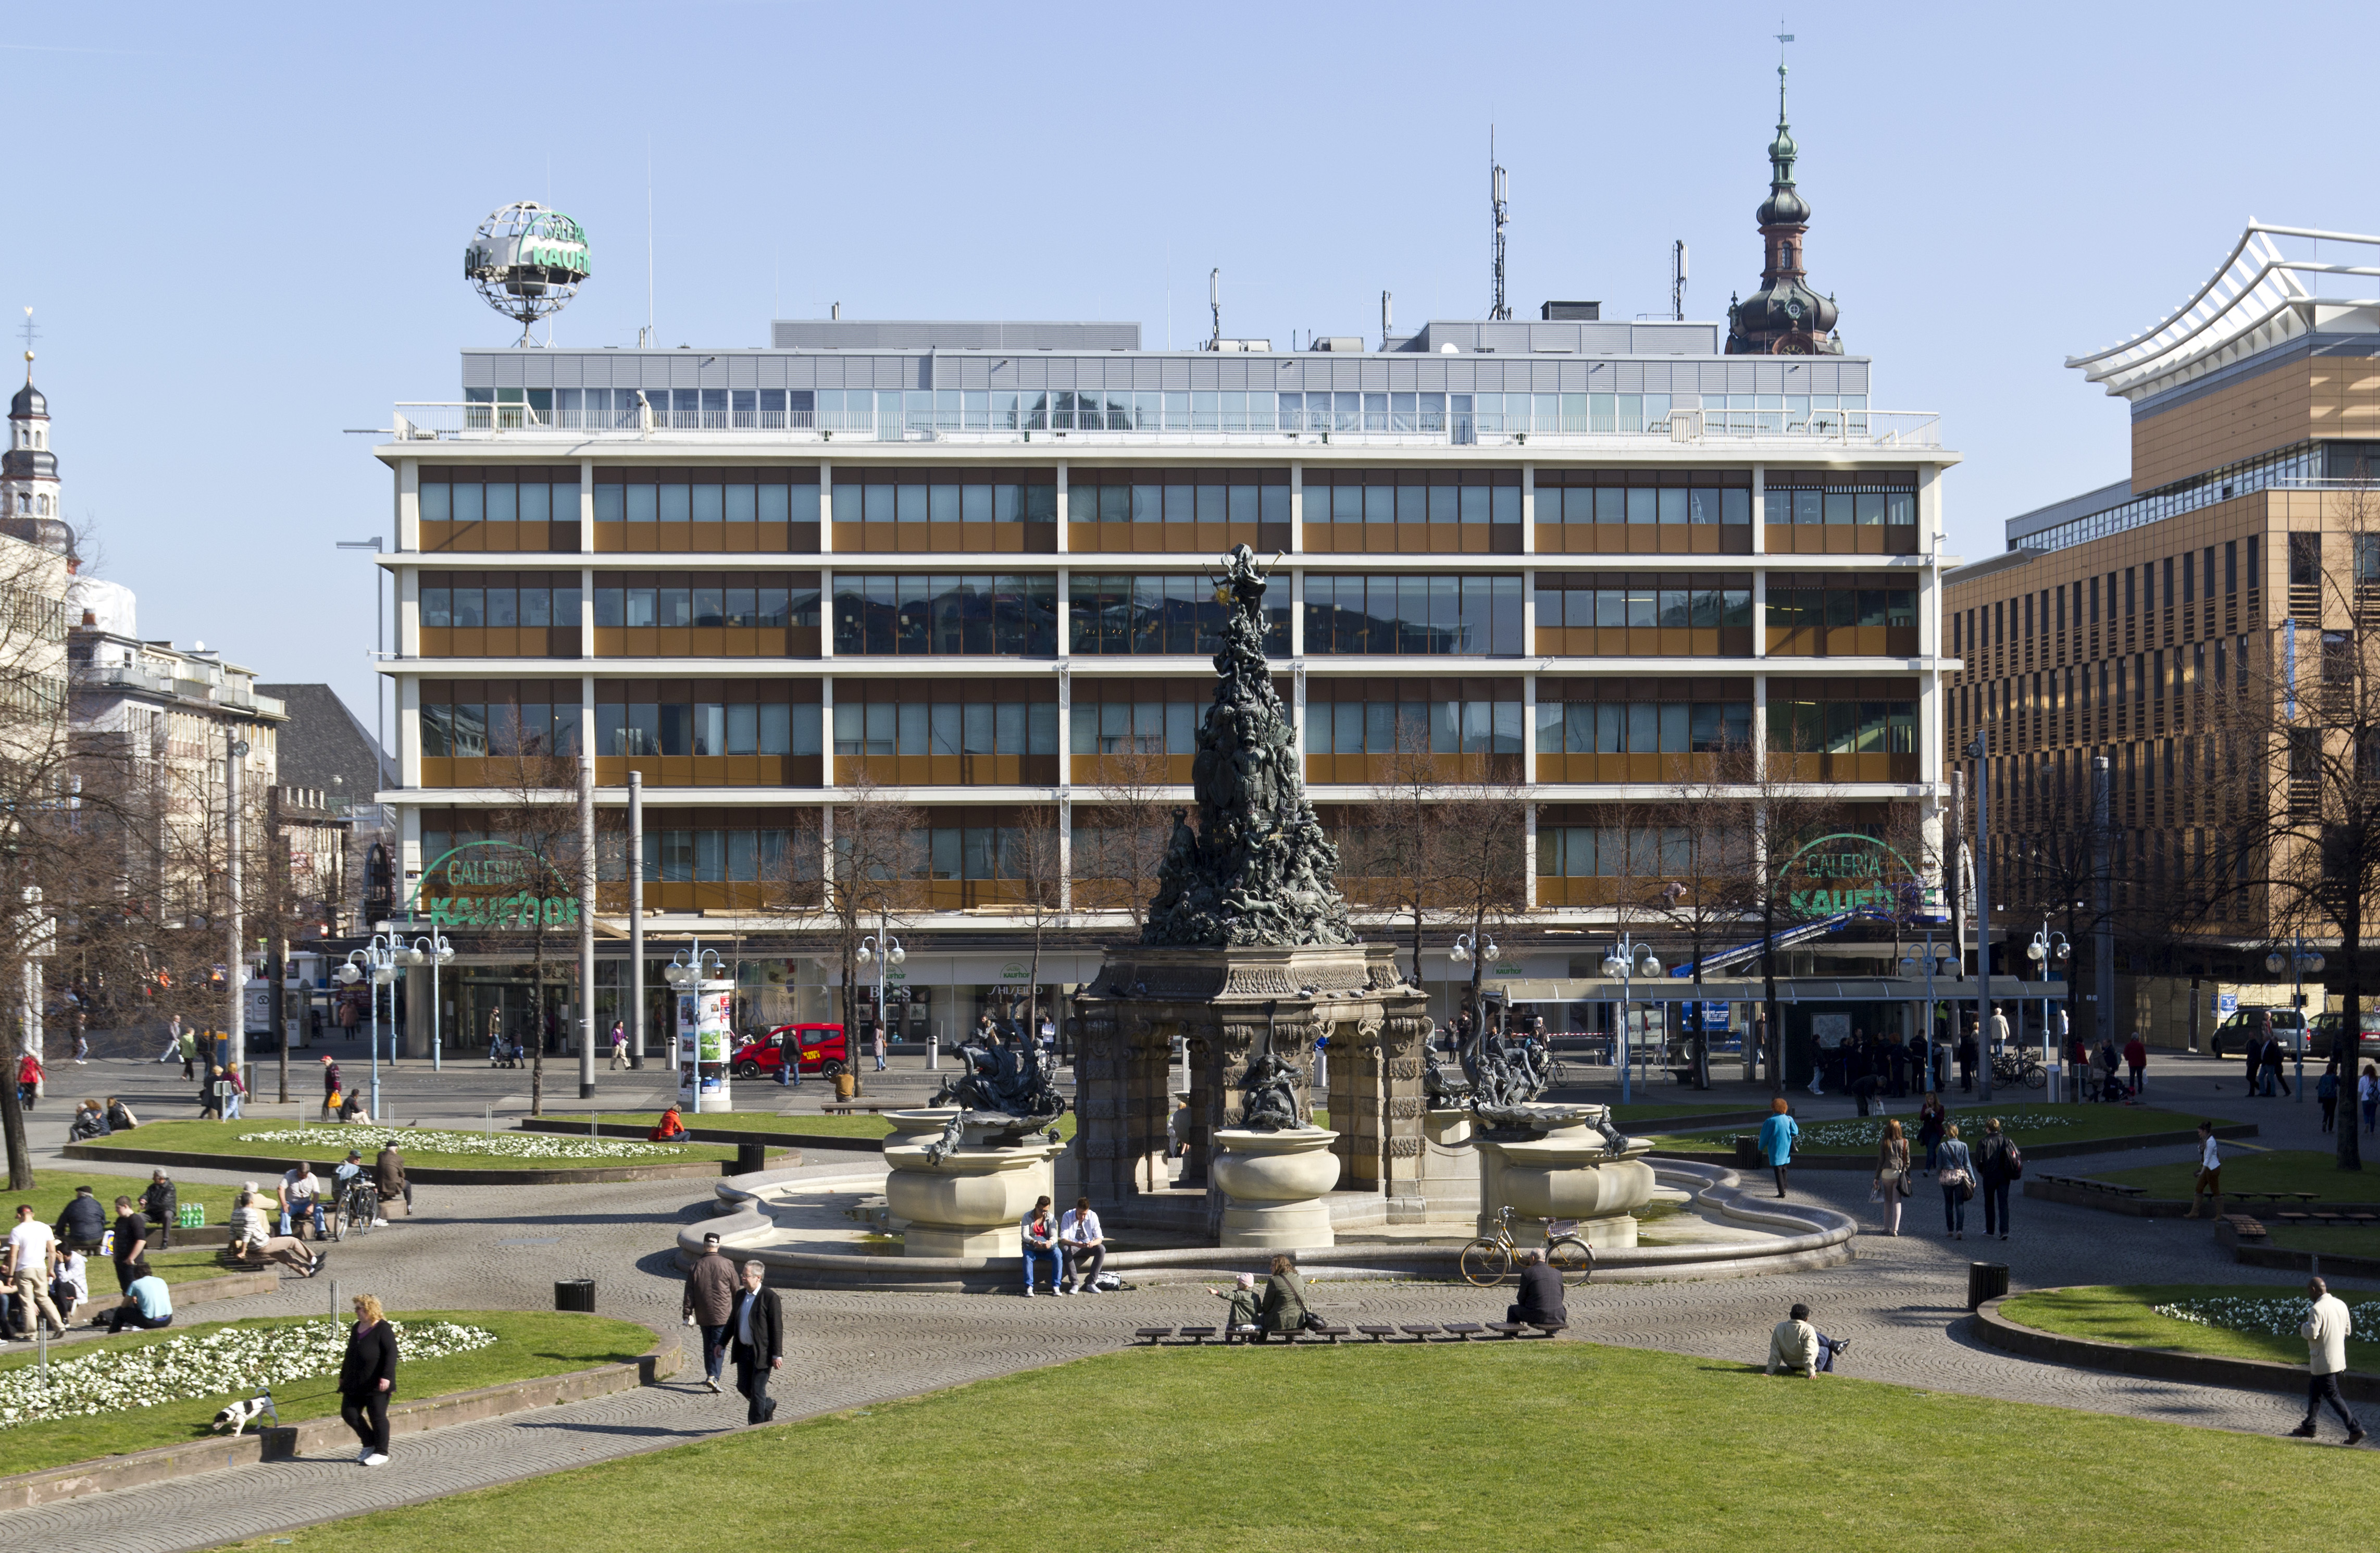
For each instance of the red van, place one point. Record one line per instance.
(822, 1048)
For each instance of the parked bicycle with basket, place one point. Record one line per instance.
(1490, 1259)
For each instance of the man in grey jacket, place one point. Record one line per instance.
(2327, 1325)
(710, 1305)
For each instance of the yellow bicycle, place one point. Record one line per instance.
(1489, 1260)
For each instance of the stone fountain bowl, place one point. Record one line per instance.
(1288, 1166)
(986, 1187)
(1570, 1174)
(921, 1125)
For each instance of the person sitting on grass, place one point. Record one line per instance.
(670, 1130)
(1540, 1303)
(1794, 1344)
(252, 1240)
(119, 1116)
(147, 1305)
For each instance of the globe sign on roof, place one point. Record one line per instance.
(526, 263)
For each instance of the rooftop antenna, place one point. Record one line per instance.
(31, 335)
(1384, 321)
(645, 334)
(1678, 281)
(1215, 306)
(1496, 307)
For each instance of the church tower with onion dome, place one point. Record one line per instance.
(29, 471)
(1784, 317)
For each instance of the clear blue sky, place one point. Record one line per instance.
(241, 227)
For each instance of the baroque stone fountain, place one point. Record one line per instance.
(963, 1172)
(1247, 959)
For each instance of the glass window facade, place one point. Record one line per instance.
(1412, 613)
(916, 614)
(1113, 613)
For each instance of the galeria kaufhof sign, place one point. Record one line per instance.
(492, 884)
(1851, 872)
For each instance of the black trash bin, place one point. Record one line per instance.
(1747, 1151)
(1986, 1280)
(750, 1156)
(575, 1293)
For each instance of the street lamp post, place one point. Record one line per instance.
(1629, 958)
(2299, 960)
(884, 951)
(1976, 752)
(377, 961)
(2050, 951)
(1909, 968)
(1467, 948)
(432, 952)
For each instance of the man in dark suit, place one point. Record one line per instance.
(1541, 1293)
(759, 1329)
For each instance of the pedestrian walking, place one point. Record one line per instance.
(759, 1344)
(619, 1045)
(131, 1249)
(1956, 1176)
(173, 1040)
(1967, 1059)
(710, 1305)
(32, 1253)
(1893, 1174)
(1931, 1119)
(2367, 1093)
(2253, 1054)
(332, 1089)
(189, 1049)
(160, 1205)
(2326, 1089)
(1999, 1030)
(211, 1094)
(234, 1091)
(368, 1381)
(1998, 1163)
(2209, 1182)
(1777, 1136)
(876, 1044)
(28, 1081)
(2326, 1329)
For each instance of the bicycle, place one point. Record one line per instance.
(358, 1206)
(1486, 1260)
(2024, 1069)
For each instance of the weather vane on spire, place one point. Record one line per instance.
(30, 334)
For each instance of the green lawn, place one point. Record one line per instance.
(2356, 1241)
(530, 1343)
(1444, 1447)
(2029, 1121)
(2121, 1314)
(53, 1189)
(2280, 1169)
(224, 1138)
(1656, 1114)
(764, 1122)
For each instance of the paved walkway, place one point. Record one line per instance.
(1902, 1303)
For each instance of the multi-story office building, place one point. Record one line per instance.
(2116, 618)
(969, 560)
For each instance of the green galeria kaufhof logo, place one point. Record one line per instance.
(1847, 872)
(492, 884)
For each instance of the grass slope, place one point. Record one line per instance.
(53, 1189)
(328, 1143)
(2120, 1312)
(2280, 1169)
(2361, 1240)
(1443, 1447)
(530, 1343)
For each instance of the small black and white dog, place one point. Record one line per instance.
(235, 1418)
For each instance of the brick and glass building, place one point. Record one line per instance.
(2116, 619)
(970, 559)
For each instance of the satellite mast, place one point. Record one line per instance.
(1678, 281)
(1215, 306)
(1496, 307)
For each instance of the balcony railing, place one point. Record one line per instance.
(425, 420)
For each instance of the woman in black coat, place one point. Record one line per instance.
(368, 1381)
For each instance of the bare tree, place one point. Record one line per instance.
(539, 815)
(859, 865)
(1037, 861)
(1474, 846)
(1392, 841)
(1120, 844)
(1709, 871)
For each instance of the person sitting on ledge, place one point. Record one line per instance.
(252, 1239)
(670, 1130)
(146, 1305)
(1540, 1303)
(1241, 1316)
(1282, 1307)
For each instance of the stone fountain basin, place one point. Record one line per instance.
(1571, 1174)
(970, 1186)
(1288, 1166)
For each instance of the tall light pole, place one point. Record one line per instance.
(636, 918)
(2049, 950)
(586, 926)
(886, 952)
(432, 952)
(236, 953)
(1466, 949)
(1908, 968)
(1983, 912)
(377, 961)
(1629, 958)
(2300, 960)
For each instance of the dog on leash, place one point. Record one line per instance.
(235, 1419)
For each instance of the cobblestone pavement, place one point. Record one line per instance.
(1902, 1303)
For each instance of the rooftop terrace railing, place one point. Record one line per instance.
(424, 421)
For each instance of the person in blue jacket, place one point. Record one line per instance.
(1777, 1136)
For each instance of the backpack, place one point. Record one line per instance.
(2012, 1160)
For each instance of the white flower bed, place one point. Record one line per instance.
(508, 1145)
(2278, 1318)
(1866, 1132)
(234, 1359)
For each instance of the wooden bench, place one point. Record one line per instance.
(1198, 1334)
(1466, 1330)
(1152, 1335)
(1420, 1333)
(1507, 1328)
(1377, 1333)
(1333, 1333)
